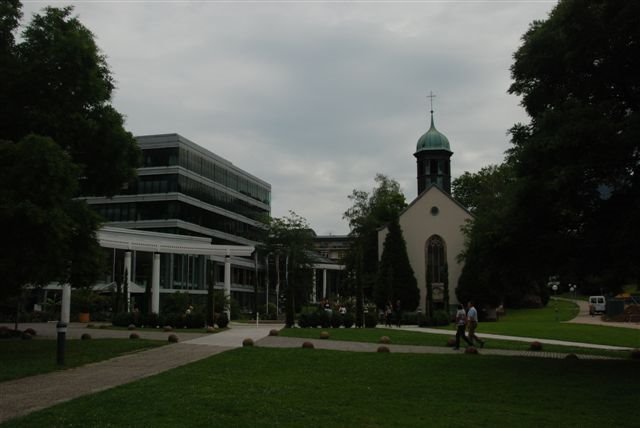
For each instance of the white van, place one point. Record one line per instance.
(597, 304)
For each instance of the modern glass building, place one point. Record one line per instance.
(182, 188)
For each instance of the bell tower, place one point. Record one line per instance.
(433, 156)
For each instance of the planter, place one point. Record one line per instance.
(83, 317)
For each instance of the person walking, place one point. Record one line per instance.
(461, 322)
(472, 323)
(388, 314)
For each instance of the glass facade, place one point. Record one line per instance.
(176, 210)
(208, 168)
(150, 184)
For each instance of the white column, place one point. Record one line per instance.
(324, 283)
(155, 284)
(227, 285)
(127, 269)
(65, 307)
(314, 292)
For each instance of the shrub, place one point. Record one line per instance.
(535, 346)
(174, 319)
(124, 319)
(25, 336)
(635, 354)
(307, 345)
(167, 328)
(6, 332)
(336, 320)
(85, 336)
(269, 312)
(31, 331)
(410, 318)
(103, 327)
(314, 319)
(370, 319)
(273, 332)
(324, 335)
(325, 319)
(131, 327)
(194, 320)
(571, 357)
(134, 336)
(151, 320)
(222, 320)
(472, 350)
(385, 339)
(211, 329)
(347, 320)
(303, 320)
(173, 338)
(383, 349)
(247, 342)
(440, 318)
(91, 325)
(451, 342)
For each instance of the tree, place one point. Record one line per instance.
(291, 239)
(566, 199)
(577, 163)
(368, 213)
(45, 230)
(59, 64)
(497, 269)
(482, 190)
(396, 280)
(56, 83)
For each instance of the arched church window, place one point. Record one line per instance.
(436, 259)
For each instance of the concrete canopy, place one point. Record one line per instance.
(138, 240)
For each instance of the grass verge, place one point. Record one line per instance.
(20, 358)
(261, 387)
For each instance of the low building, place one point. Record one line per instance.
(184, 189)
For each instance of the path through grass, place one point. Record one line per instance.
(20, 358)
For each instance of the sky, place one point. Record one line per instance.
(316, 97)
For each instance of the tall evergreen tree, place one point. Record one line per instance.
(395, 279)
(368, 213)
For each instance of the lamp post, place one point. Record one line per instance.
(62, 333)
(555, 299)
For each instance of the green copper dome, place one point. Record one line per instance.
(433, 140)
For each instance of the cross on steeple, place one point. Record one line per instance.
(431, 96)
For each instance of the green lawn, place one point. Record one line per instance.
(402, 337)
(261, 387)
(542, 324)
(20, 358)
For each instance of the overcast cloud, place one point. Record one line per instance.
(316, 97)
